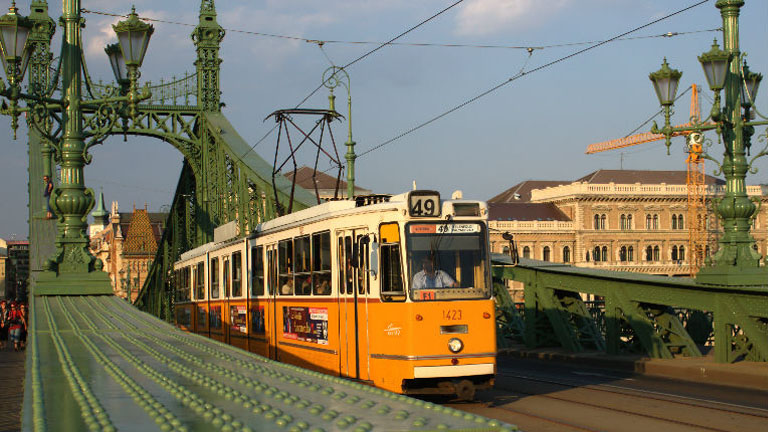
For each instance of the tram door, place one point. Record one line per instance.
(353, 334)
(270, 311)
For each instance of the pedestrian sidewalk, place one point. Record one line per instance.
(743, 374)
(12, 385)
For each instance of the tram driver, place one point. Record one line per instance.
(429, 277)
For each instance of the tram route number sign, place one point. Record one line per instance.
(306, 324)
(424, 204)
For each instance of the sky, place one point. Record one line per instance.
(536, 127)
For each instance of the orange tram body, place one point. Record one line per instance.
(391, 291)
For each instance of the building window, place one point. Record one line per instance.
(674, 221)
(656, 254)
(629, 221)
(596, 254)
(604, 256)
(623, 254)
(681, 252)
(674, 248)
(567, 254)
(623, 222)
(680, 224)
(505, 250)
(648, 222)
(655, 221)
(545, 253)
(600, 222)
(649, 253)
(526, 252)
(631, 254)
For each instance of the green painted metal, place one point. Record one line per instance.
(122, 369)
(640, 311)
(736, 263)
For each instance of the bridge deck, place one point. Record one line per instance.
(97, 363)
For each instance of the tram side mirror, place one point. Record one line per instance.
(374, 261)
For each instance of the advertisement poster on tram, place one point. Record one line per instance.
(239, 320)
(306, 324)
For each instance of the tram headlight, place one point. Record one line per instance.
(455, 345)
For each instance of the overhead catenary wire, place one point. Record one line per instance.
(523, 73)
(406, 44)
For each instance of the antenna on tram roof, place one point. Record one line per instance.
(414, 185)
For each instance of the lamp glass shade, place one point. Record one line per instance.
(133, 35)
(665, 81)
(715, 64)
(14, 30)
(117, 61)
(749, 86)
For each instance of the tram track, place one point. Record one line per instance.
(652, 395)
(545, 403)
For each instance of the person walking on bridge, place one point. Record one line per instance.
(4, 324)
(16, 325)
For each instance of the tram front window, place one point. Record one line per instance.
(447, 261)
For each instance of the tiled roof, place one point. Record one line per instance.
(140, 238)
(523, 211)
(323, 181)
(521, 192)
(642, 176)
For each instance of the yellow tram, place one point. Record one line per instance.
(394, 291)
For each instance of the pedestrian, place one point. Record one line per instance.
(24, 325)
(15, 326)
(3, 324)
(47, 194)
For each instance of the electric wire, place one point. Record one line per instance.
(523, 73)
(406, 44)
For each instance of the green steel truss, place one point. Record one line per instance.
(221, 181)
(641, 313)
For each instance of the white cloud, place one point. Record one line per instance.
(483, 17)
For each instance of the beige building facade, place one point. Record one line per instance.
(126, 243)
(621, 220)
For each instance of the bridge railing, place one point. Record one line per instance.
(583, 309)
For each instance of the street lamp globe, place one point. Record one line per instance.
(134, 36)
(117, 61)
(14, 30)
(665, 81)
(750, 85)
(715, 64)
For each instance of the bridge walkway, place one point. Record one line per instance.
(12, 388)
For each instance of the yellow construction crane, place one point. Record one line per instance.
(697, 209)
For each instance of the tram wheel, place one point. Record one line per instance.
(465, 390)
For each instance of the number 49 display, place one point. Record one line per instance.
(424, 204)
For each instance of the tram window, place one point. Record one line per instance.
(302, 265)
(362, 265)
(285, 267)
(200, 282)
(226, 277)
(272, 275)
(349, 280)
(237, 274)
(257, 267)
(181, 282)
(392, 288)
(214, 269)
(321, 263)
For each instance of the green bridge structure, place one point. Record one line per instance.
(96, 362)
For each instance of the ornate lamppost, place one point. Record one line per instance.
(72, 268)
(333, 77)
(736, 261)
